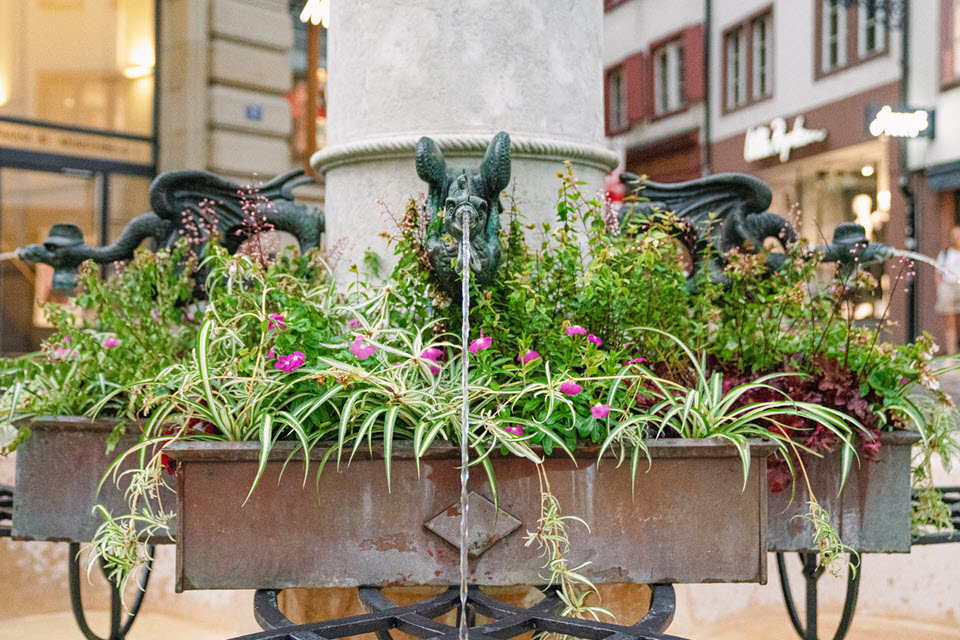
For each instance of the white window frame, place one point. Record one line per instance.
(879, 23)
(735, 42)
(668, 78)
(617, 90)
(761, 33)
(828, 6)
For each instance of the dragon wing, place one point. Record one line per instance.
(726, 195)
(177, 193)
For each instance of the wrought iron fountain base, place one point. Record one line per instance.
(418, 620)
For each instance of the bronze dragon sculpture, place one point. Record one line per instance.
(178, 199)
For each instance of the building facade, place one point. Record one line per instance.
(793, 88)
(98, 96)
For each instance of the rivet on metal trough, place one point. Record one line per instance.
(488, 524)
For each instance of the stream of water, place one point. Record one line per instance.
(464, 418)
(9, 255)
(913, 255)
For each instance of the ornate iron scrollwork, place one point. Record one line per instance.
(418, 619)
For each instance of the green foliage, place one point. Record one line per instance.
(117, 331)
(594, 334)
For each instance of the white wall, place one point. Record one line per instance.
(794, 87)
(632, 26)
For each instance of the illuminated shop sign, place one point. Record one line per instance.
(900, 122)
(776, 140)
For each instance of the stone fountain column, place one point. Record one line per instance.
(458, 71)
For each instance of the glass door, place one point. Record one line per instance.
(30, 203)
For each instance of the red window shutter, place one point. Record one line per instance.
(635, 75)
(693, 81)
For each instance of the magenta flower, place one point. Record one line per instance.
(191, 316)
(271, 354)
(576, 330)
(362, 352)
(61, 353)
(290, 362)
(433, 354)
(480, 343)
(275, 321)
(570, 388)
(600, 411)
(111, 342)
(516, 430)
(637, 360)
(354, 324)
(529, 356)
(155, 314)
(595, 340)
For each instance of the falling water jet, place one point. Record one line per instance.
(9, 255)
(464, 415)
(913, 255)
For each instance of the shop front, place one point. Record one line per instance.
(824, 167)
(77, 136)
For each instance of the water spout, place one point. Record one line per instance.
(464, 417)
(8, 255)
(919, 257)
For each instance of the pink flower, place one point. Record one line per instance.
(433, 354)
(60, 353)
(290, 362)
(600, 410)
(637, 360)
(111, 342)
(570, 388)
(354, 324)
(595, 340)
(576, 330)
(480, 343)
(271, 354)
(191, 316)
(516, 430)
(361, 351)
(275, 321)
(529, 356)
(155, 314)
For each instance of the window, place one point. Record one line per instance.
(872, 34)
(668, 88)
(82, 64)
(834, 34)
(617, 91)
(736, 72)
(761, 30)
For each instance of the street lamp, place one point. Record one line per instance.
(315, 13)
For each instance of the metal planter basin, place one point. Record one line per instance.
(59, 469)
(872, 513)
(690, 520)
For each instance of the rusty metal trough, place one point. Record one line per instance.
(690, 520)
(59, 469)
(872, 513)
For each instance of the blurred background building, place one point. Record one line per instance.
(791, 91)
(98, 96)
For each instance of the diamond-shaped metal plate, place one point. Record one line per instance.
(486, 524)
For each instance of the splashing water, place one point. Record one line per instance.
(464, 418)
(9, 255)
(919, 257)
